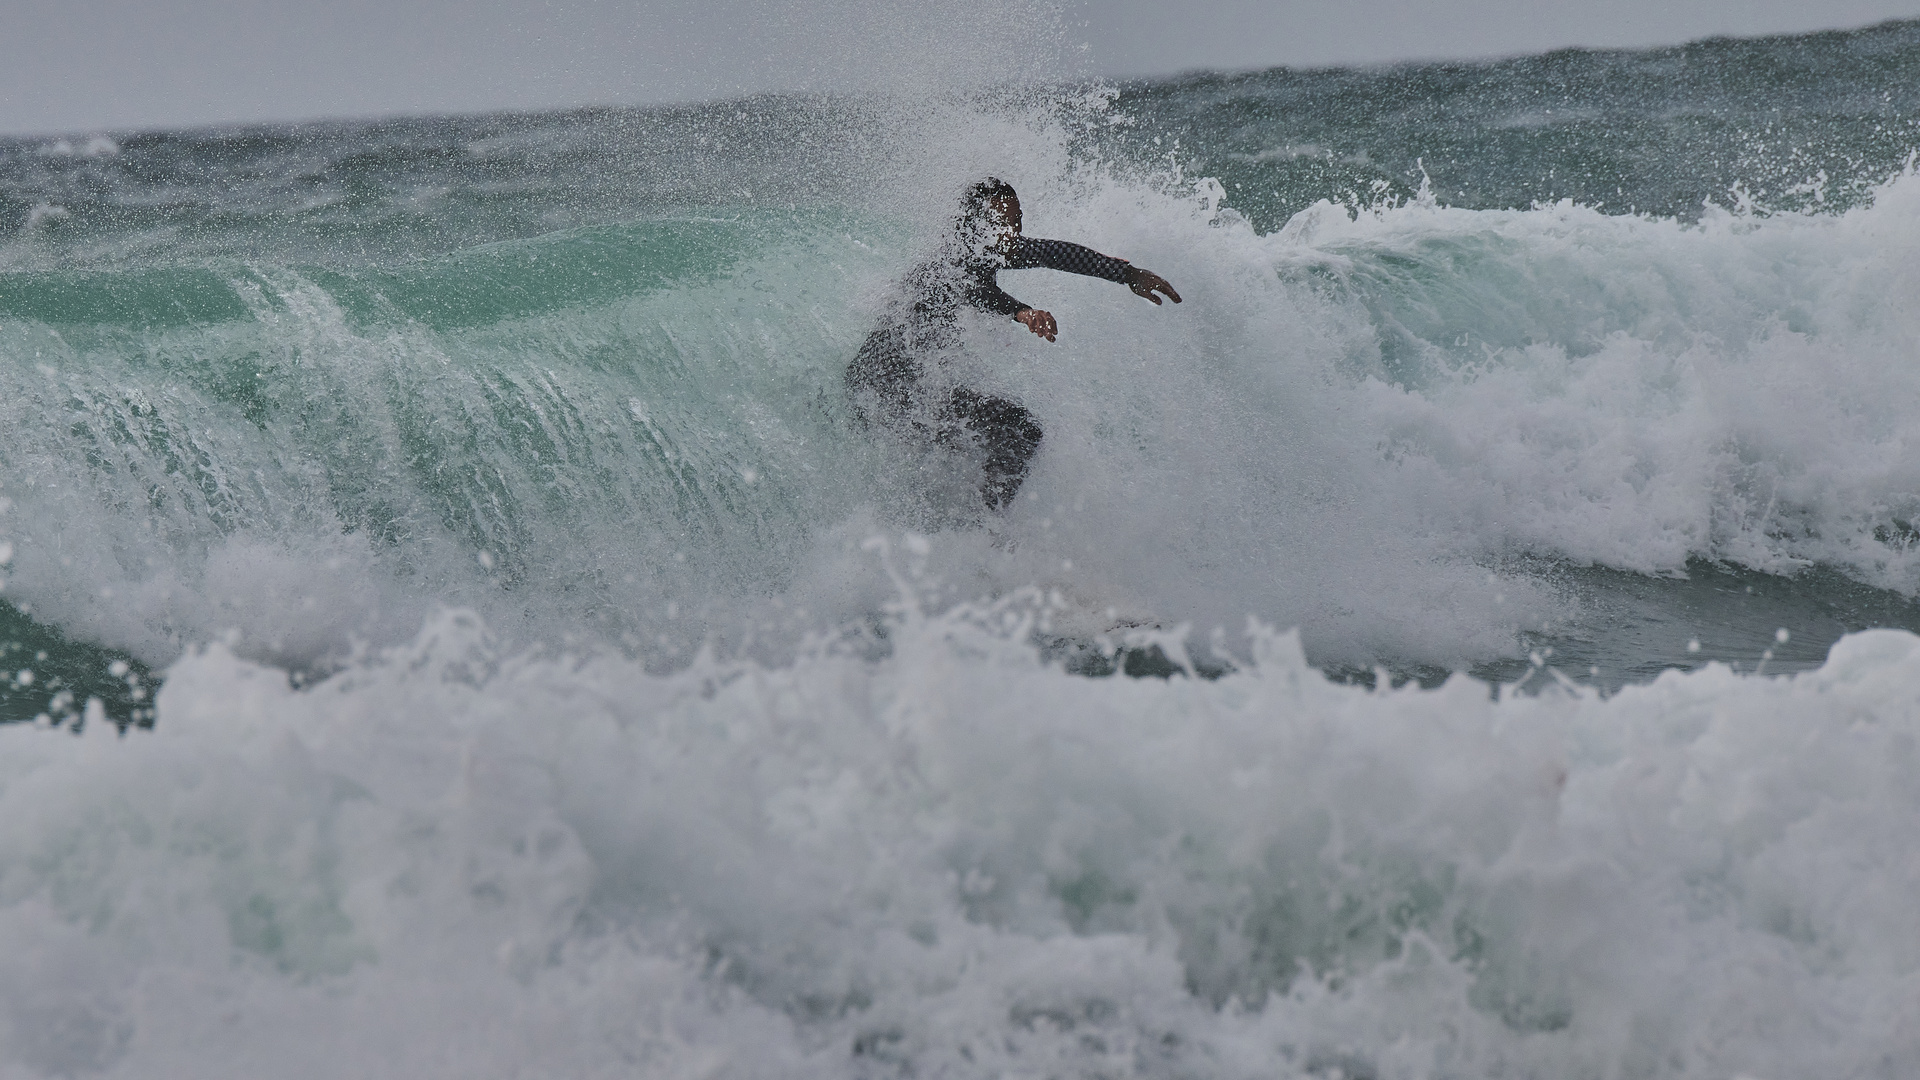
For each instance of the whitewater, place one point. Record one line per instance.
(453, 625)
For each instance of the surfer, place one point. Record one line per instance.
(885, 378)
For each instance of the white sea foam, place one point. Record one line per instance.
(449, 861)
(44, 214)
(1740, 389)
(95, 146)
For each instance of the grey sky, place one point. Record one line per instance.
(78, 66)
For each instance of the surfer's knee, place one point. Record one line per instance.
(1014, 431)
(1024, 429)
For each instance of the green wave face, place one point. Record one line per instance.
(491, 283)
(598, 418)
(588, 267)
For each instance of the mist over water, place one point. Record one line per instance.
(554, 678)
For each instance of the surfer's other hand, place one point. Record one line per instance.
(1040, 322)
(1144, 282)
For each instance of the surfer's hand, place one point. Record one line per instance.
(1040, 322)
(1144, 282)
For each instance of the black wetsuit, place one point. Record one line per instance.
(884, 378)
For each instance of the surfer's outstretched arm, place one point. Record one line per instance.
(1027, 252)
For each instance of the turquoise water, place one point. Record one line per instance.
(546, 675)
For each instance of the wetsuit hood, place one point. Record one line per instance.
(981, 236)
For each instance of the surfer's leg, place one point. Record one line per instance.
(882, 378)
(1007, 433)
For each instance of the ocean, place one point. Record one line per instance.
(453, 623)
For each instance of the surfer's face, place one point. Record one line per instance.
(1003, 214)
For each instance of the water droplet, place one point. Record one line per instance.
(1693, 645)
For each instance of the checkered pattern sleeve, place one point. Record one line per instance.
(988, 296)
(1061, 255)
